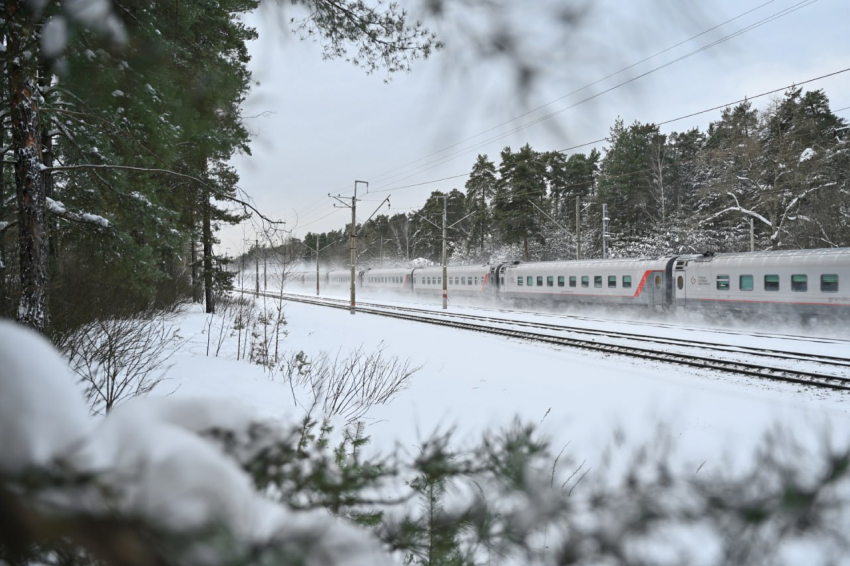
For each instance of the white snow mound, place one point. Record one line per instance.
(42, 416)
(149, 454)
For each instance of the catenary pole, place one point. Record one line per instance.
(604, 231)
(317, 265)
(352, 244)
(578, 227)
(752, 236)
(445, 270)
(257, 264)
(352, 239)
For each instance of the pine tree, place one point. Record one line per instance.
(522, 185)
(480, 190)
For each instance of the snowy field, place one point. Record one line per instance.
(595, 404)
(600, 412)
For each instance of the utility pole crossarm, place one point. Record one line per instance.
(427, 220)
(363, 225)
(555, 222)
(462, 219)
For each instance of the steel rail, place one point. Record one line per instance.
(728, 366)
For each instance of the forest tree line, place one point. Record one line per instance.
(117, 131)
(785, 169)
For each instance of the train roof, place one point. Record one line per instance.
(643, 263)
(826, 256)
(438, 269)
(387, 270)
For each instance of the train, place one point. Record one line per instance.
(807, 283)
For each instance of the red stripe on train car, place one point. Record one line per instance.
(642, 283)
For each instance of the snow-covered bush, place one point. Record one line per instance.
(141, 486)
(120, 358)
(347, 386)
(203, 482)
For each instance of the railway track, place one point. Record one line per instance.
(705, 356)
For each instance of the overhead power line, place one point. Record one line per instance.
(376, 178)
(454, 155)
(670, 121)
(576, 91)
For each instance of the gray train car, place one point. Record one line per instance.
(462, 280)
(642, 282)
(803, 282)
(393, 279)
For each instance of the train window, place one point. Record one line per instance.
(439, 280)
(585, 281)
(745, 283)
(680, 282)
(612, 281)
(530, 281)
(722, 282)
(627, 281)
(463, 280)
(550, 281)
(502, 281)
(771, 282)
(829, 283)
(597, 281)
(560, 280)
(572, 280)
(476, 281)
(539, 280)
(519, 281)
(799, 282)
(658, 281)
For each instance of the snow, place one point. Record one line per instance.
(153, 451)
(95, 219)
(476, 383)
(98, 15)
(807, 154)
(117, 93)
(54, 37)
(41, 414)
(55, 206)
(150, 457)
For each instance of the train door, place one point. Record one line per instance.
(680, 286)
(658, 286)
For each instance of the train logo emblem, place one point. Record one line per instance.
(693, 280)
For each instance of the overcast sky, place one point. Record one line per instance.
(329, 123)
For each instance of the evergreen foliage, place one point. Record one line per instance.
(784, 167)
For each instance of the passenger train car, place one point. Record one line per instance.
(802, 282)
(641, 282)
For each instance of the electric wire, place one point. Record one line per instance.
(624, 69)
(445, 159)
(665, 122)
(454, 155)
(576, 91)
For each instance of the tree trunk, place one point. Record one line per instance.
(21, 67)
(47, 158)
(196, 280)
(208, 267)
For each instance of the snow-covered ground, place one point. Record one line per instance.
(598, 411)
(474, 383)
